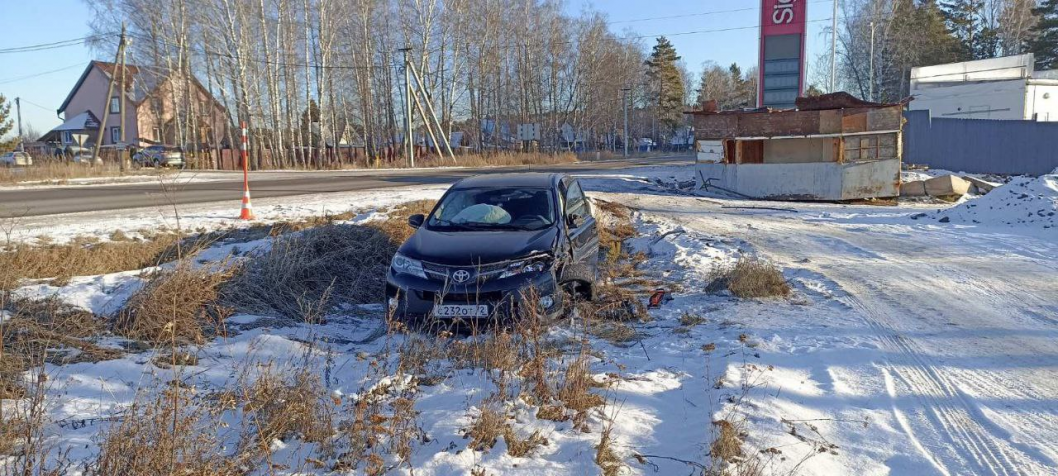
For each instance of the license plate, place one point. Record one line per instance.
(460, 310)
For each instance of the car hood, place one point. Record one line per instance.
(456, 248)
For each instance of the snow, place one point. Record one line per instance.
(909, 346)
(1025, 202)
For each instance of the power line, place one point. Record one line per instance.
(37, 105)
(699, 14)
(50, 46)
(44, 73)
(284, 64)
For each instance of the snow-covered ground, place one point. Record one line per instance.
(910, 345)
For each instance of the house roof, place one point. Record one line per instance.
(80, 122)
(139, 81)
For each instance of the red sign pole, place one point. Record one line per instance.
(247, 208)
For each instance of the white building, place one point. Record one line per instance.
(1005, 88)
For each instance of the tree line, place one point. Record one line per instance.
(306, 73)
(911, 33)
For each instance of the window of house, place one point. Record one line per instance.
(67, 137)
(115, 135)
(115, 105)
(156, 134)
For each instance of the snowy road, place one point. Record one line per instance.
(959, 335)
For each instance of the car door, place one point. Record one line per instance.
(582, 233)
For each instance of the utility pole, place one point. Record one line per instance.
(409, 141)
(110, 93)
(18, 113)
(870, 87)
(624, 107)
(124, 145)
(834, 48)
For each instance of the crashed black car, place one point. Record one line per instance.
(491, 243)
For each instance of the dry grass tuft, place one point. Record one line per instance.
(46, 331)
(522, 447)
(488, 427)
(728, 443)
(605, 457)
(179, 305)
(305, 274)
(170, 433)
(750, 278)
(281, 405)
(575, 389)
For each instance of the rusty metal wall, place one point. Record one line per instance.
(981, 145)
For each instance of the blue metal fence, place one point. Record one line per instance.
(980, 145)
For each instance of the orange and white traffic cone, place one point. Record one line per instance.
(247, 207)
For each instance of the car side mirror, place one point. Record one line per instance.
(574, 220)
(416, 220)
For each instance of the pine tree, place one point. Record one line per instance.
(965, 19)
(666, 84)
(5, 126)
(1045, 42)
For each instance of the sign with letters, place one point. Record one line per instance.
(782, 53)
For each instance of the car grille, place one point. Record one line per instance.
(480, 273)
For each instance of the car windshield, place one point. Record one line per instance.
(494, 209)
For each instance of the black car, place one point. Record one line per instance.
(492, 242)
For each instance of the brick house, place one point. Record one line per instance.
(161, 109)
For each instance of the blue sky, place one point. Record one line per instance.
(48, 21)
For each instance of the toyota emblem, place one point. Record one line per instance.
(461, 276)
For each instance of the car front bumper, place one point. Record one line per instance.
(412, 299)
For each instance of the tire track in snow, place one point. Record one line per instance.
(982, 449)
(905, 291)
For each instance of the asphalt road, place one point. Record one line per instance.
(85, 198)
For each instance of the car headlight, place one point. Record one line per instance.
(406, 265)
(528, 265)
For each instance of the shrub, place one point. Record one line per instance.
(307, 273)
(750, 278)
(180, 305)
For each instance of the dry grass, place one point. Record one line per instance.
(60, 171)
(179, 305)
(282, 405)
(750, 278)
(492, 160)
(727, 446)
(169, 433)
(522, 447)
(46, 331)
(395, 225)
(81, 257)
(304, 274)
(575, 389)
(488, 427)
(605, 457)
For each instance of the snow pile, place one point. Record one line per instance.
(1024, 202)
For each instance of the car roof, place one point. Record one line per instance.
(522, 179)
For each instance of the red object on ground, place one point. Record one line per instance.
(657, 298)
(247, 207)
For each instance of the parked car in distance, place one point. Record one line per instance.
(159, 156)
(490, 240)
(16, 159)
